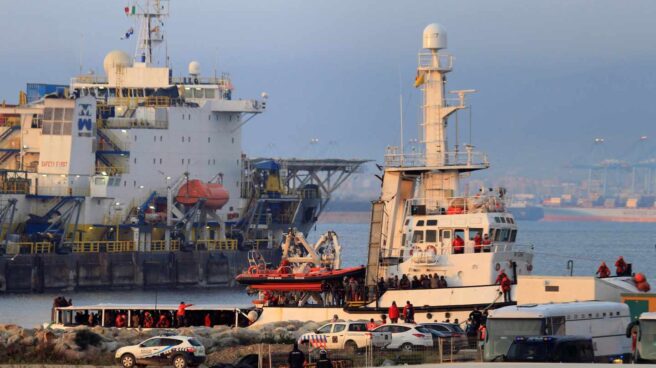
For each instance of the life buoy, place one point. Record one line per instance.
(639, 277)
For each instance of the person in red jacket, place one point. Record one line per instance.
(120, 320)
(180, 314)
(393, 313)
(208, 320)
(505, 288)
(478, 243)
(620, 266)
(458, 245)
(500, 276)
(603, 271)
(148, 320)
(163, 321)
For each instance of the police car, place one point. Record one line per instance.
(178, 351)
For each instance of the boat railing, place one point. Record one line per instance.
(467, 159)
(436, 61)
(62, 190)
(430, 252)
(455, 205)
(14, 248)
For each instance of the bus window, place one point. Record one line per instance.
(418, 237)
(431, 236)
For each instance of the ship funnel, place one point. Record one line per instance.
(434, 37)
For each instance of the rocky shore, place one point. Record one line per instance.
(96, 345)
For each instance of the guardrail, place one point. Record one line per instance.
(456, 205)
(394, 158)
(28, 248)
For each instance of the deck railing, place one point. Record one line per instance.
(471, 159)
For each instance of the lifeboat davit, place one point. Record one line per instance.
(215, 195)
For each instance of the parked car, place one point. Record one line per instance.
(178, 351)
(451, 332)
(552, 349)
(349, 336)
(407, 336)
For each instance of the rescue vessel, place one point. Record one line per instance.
(423, 224)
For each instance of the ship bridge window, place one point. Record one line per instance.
(503, 220)
(459, 233)
(210, 93)
(496, 219)
(188, 92)
(47, 114)
(431, 236)
(513, 235)
(445, 235)
(431, 223)
(112, 92)
(505, 235)
(420, 223)
(198, 93)
(473, 232)
(36, 121)
(407, 221)
(418, 237)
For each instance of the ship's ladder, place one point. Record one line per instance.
(375, 242)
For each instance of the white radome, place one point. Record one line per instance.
(116, 59)
(434, 37)
(194, 68)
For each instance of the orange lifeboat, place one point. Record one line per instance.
(215, 195)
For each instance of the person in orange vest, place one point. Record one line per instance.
(603, 271)
(180, 314)
(478, 243)
(500, 276)
(620, 266)
(458, 245)
(208, 320)
(393, 313)
(148, 320)
(505, 288)
(371, 325)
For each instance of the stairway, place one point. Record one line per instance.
(375, 242)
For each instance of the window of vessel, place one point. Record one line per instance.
(198, 93)
(503, 220)
(59, 114)
(154, 161)
(66, 128)
(160, 161)
(209, 93)
(431, 236)
(513, 235)
(47, 114)
(68, 114)
(188, 93)
(209, 139)
(496, 219)
(233, 140)
(407, 221)
(474, 231)
(418, 236)
(36, 121)
(420, 223)
(431, 223)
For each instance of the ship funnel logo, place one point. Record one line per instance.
(85, 119)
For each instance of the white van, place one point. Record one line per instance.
(646, 342)
(604, 322)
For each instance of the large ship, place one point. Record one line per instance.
(422, 228)
(138, 178)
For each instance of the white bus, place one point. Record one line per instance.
(646, 344)
(604, 322)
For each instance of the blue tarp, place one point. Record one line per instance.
(267, 165)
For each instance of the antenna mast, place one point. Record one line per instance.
(150, 14)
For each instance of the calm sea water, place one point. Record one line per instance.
(555, 243)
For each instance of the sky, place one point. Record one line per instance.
(551, 75)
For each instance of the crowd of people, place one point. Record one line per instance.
(150, 318)
(425, 281)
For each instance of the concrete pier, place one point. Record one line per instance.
(129, 270)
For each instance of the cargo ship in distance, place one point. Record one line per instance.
(137, 178)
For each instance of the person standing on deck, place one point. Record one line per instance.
(620, 266)
(603, 271)
(181, 314)
(393, 313)
(409, 312)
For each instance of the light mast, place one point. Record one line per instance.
(149, 14)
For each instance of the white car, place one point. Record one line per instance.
(349, 336)
(178, 351)
(407, 336)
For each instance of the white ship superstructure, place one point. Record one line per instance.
(115, 146)
(424, 225)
